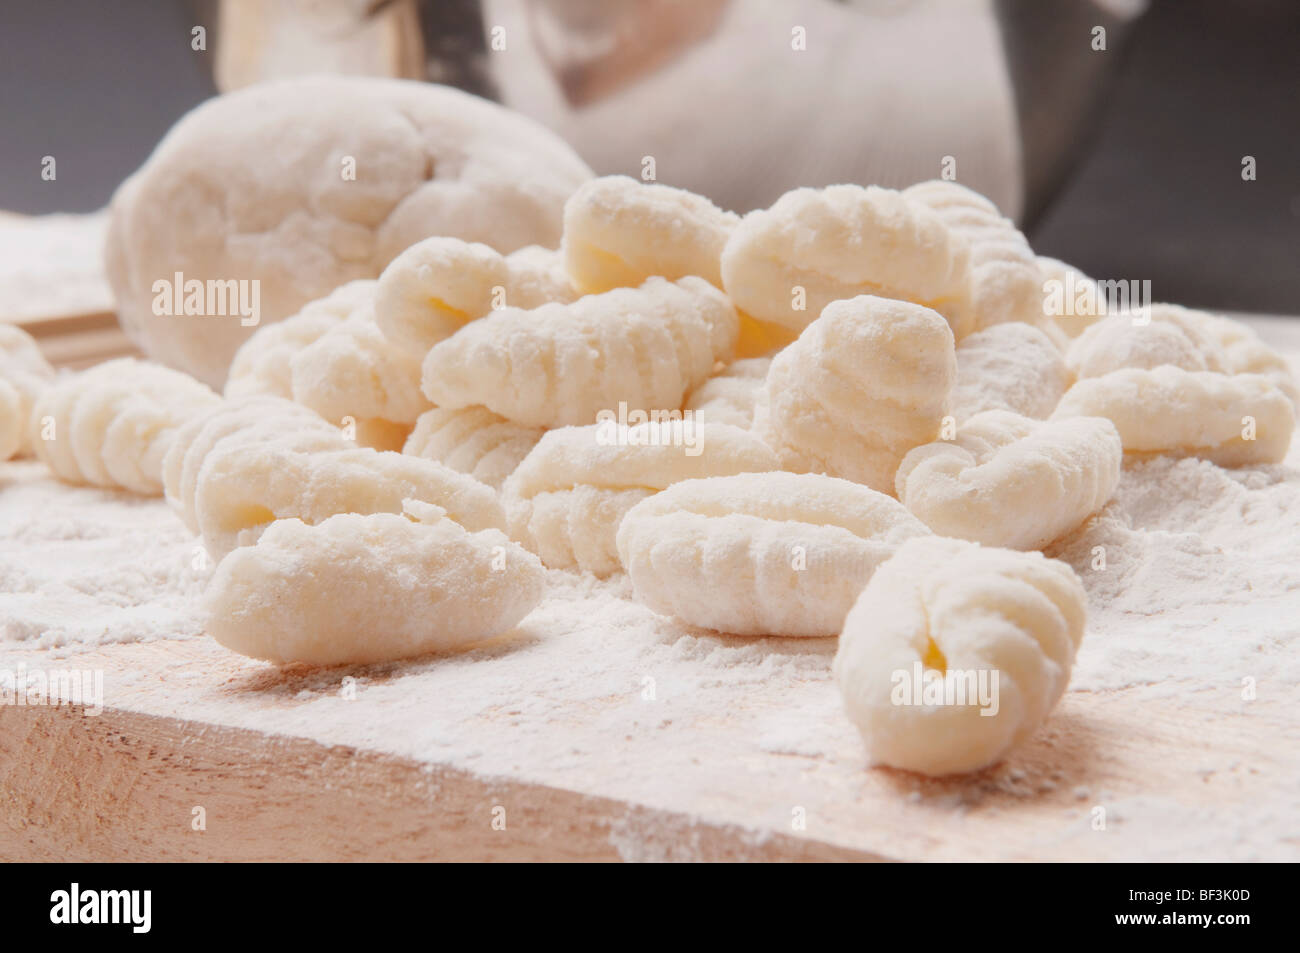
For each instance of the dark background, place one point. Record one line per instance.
(1157, 195)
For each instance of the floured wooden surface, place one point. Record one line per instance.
(604, 731)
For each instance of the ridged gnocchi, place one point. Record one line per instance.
(867, 381)
(760, 554)
(1005, 284)
(955, 653)
(24, 374)
(111, 425)
(257, 420)
(353, 589)
(785, 264)
(618, 232)
(472, 440)
(729, 396)
(565, 501)
(561, 364)
(1011, 481)
(437, 286)
(1233, 420)
(1009, 366)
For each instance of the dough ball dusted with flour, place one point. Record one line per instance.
(760, 553)
(24, 374)
(866, 382)
(562, 364)
(1008, 480)
(437, 286)
(565, 501)
(111, 425)
(472, 440)
(841, 242)
(371, 167)
(956, 653)
(1009, 366)
(1235, 420)
(618, 232)
(354, 590)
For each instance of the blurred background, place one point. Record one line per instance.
(1125, 160)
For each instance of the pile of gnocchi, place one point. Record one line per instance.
(849, 414)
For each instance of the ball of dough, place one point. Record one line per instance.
(761, 554)
(1009, 366)
(565, 501)
(955, 653)
(112, 424)
(866, 382)
(354, 590)
(1008, 480)
(306, 183)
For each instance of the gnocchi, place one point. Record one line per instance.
(110, 425)
(472, 440)
(565, 500)
(24, 374)
(1118, 342)
(256, 420)
(561, 364)
(1009, 366)
(728, 397)
(1005, 284)
(437, 286)
(354, 590)
(760, 554)
(1011, 481)
(785, 264)
(618, 232)
(955, 653)
(867, 381)
(1233, 420)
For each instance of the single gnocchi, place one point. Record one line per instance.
(785, 264)
(1011, 481)
(1010, 366)
(437, 286)
(354, 590)
(618, 232)
(866, 382)
(565, 501)
(1233, 420)
(956, 653)
(24, 374)
(729, 396)
(111, 425)
(472, 440)
(760, 554)
(1005, 284)
(258, 420)
(561, 364)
